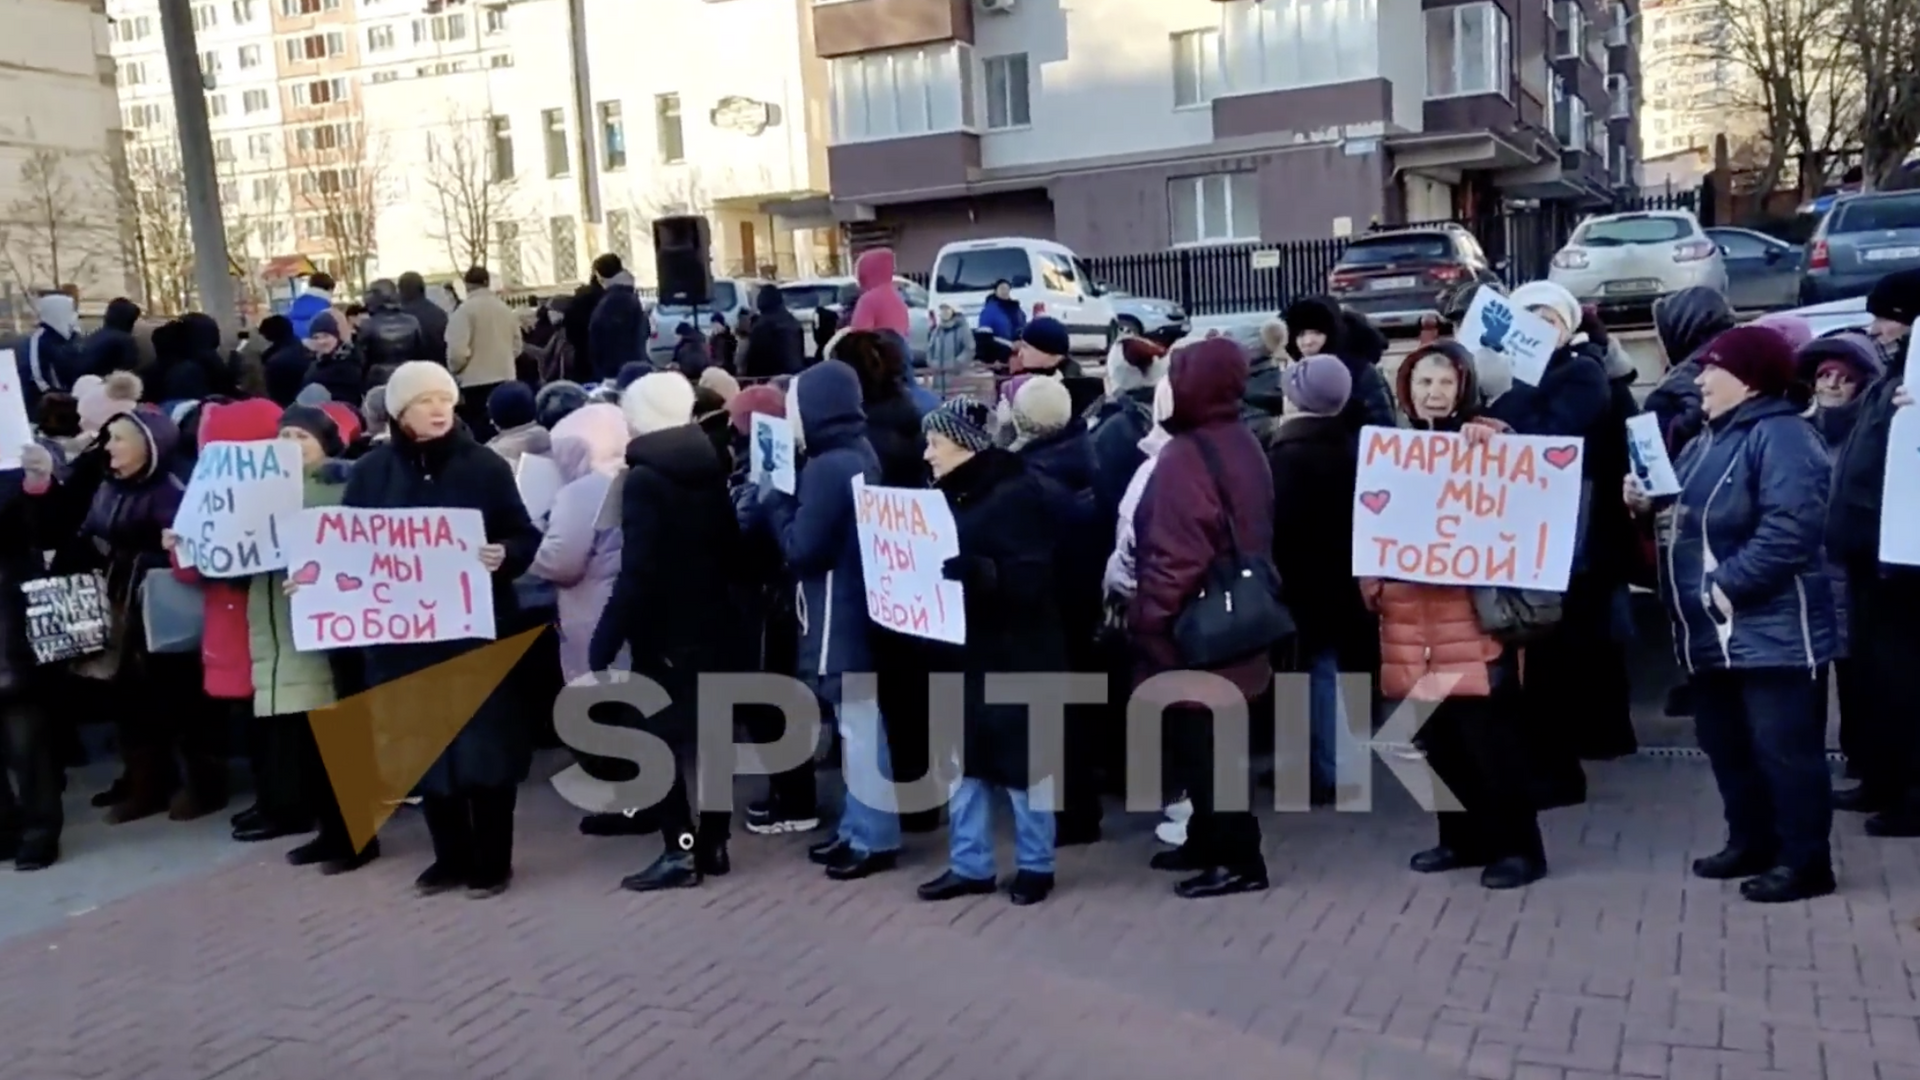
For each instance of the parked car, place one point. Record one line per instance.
(1624, 262)
(1847, 314)
(806, 298)
(1862, 239)
(1762, 272)
(1161, 320)
(1047, 278)
(1397, 278)
(731, 297)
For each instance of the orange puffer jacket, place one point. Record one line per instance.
(1430, 630)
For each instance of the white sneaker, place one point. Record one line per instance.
(1172, 833)
(1181, 812)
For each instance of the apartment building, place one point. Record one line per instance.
(1121, 126)
(60, 192)
(1693, 87)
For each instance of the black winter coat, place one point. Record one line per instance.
(495, 748)
(285, 366)
(187, 353)
(776, 345)
(1860, 474)
(673, 604)
(19, 563)
(112, 347)
(1062, 464)
(1314, 463)
(893, 430)
(1000, 511)
(341, 373)
(390, 337)
(1118, 424)
(574, 327)
(433, 327)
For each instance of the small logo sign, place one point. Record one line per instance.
(740, 114)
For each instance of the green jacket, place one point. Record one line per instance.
(287, 682)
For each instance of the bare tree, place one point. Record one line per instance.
(344, 182)
(155, 193)
(1882, 39)
(58, 231)
(1792, 77)
(470, 191)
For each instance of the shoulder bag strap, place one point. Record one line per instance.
(1214, 469)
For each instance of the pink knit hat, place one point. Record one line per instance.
(120, 393)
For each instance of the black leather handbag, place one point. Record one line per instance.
(1238, 612)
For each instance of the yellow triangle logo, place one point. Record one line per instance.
(378, 744)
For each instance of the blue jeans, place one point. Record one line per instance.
(869, 821)
(970, 831)
(1336, 755)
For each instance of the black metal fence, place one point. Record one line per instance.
(1226, 279)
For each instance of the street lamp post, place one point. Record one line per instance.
(211, 267)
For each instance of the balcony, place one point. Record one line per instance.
(1619, 97)
(847, 27)
(1620, 31)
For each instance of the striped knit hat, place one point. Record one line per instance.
(962, 421)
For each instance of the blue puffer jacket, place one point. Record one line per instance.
(815, 526)
(1748, 519)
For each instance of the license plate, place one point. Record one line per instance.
(1637, 285)
(1388, 283)
(1886, 253)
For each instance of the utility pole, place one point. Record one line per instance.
(585, 138)
(211, 266)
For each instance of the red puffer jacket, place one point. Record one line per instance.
(1431, 644)
(226, 652)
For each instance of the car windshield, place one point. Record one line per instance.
(1620, 231)
(978, 270)
(1874, 215)
(1397, 249)
(805, 297)
(726, 297)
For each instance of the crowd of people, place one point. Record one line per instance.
(1094, 515)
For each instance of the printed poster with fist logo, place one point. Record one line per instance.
(387, 577)
(1525, 339)
(1434, 507)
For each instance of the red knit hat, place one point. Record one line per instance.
(1759, 356)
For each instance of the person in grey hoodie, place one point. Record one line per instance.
(950, 346)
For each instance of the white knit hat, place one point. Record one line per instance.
(1550, 295)
(656, 402)
(414, 380)
(1041, 407)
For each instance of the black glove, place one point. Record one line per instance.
(971, 571)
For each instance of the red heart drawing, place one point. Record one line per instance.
(307, 575)
(1562, 456)
(346, 582)
(1376, 501)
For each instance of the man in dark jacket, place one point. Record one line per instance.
(336, 363)
(575, 320)
(1687, 323)
(286, 360)
(112, 347)
(30, 813)
(187, 354)
(388, 336)
(1318, 325)
(618, 329)
(776, 345)
(1883, 600)
(432, 317)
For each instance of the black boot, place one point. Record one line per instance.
(1785, 885)
(1513, 872)
(951, 886)
(353, 860)
(441, 878)
(1439, 860)
(1222, 881)
(36, 855)
(674, 869)
(492, 864)
(1732, 862)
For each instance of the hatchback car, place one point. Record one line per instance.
(1763, 272)
(1163, 321)
(1861, 240)
(1623, 263)
(1398, 278)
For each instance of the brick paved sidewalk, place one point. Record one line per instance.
(1351, 968)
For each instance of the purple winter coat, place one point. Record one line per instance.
(578, 557)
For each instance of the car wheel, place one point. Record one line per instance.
(1131, 325)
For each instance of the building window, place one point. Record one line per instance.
(260, 146)
(1009, 97)
(265, 188)
(620, 234)
(296, 8)
(1569, 116)
(379, 38)
(553, 125)
(495, 16)
(1620, 96)
(132, 28)
(254, 101)
(316, 46)
(243, 12)
(1468, 50)
(440, 28)
(1196, 68)
(1569, 29)
(669, 136)
(320, 91)
(205, 16)
(223, 149)
(566, 251)
(216, 105)
(249, 57)
(210, 62)
(902, 92)
(500, 140)
(1282, 44)
(613, 135)
(131, 73)
(1222, 208)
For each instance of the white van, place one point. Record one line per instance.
(1047, 279)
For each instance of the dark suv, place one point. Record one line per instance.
(1396, 278)
(1862, 239)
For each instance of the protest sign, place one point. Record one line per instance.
(1647, 451)
(539, 479)
(1900, 499)
(67, 617)
(1431, 506)
(387, 577)
(226, 518)
(16, 431)
(770, 461)
(1526, 339)
(906, 536)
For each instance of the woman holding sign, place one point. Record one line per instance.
(1744, 578)
(433, 461)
